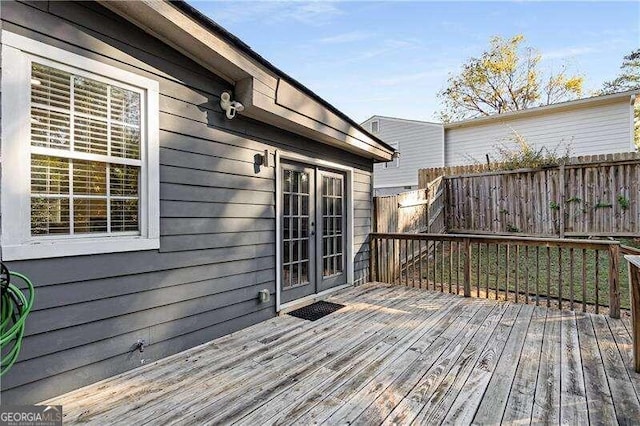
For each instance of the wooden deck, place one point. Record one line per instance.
(393, 355)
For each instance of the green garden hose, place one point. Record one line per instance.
(15, 309)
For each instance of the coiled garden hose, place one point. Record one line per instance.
(15, 309)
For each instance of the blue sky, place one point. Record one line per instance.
(391, 58)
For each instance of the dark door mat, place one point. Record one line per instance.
(316, 310)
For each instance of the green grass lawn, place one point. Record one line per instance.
(546, 271)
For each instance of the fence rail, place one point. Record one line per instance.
(594, 196)
(566, 273)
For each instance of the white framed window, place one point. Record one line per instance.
(375, 126)
(395, 162)
(80, 172)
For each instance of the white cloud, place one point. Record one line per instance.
(349, 37)
(400, 79)
(273, 12)
(568, 52)
(312, 13)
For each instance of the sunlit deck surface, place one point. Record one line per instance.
(393, 355)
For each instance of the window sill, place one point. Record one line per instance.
(80, 247)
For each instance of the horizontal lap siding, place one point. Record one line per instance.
(597, 129)
(420, 146)
(217, 223)
(363, 211)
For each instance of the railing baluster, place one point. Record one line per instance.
(597, 264)
(560, 283)
(548, 276)
(517, 290)
(506, 272)
(497, 270)
(584, 280)
(571, 275)
(467, 267)
(458, 268)
(526, 279)
(406, 263)
(450, 267)
(486, 268)
(428, 263)
(420, 263)
(388, 262)
(537, 276)
(413, 263)
(478, 256)
(442, 267)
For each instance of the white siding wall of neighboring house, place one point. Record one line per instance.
(419, 144)
(590, 129)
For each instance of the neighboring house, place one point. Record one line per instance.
(419, 145)
(597, 125)
(140, 211)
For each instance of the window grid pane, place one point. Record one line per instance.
(79, 114)
(295, 199)
(332, 208)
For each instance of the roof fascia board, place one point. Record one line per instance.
(264, 94)
(564, 106)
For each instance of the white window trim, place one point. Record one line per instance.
(16, 240)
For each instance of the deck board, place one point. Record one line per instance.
(393, 355)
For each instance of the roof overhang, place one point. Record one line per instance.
(267, 94)
(628, 96)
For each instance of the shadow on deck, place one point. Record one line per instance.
(393, 355)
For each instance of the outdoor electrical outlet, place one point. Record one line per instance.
(264, 296)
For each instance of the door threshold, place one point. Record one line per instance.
(295, 304)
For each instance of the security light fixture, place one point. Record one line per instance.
(229, 106)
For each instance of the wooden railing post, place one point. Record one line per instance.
(467, 267)
(614, 278)
(634, 290)
(373, 256)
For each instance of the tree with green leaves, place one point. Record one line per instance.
(506, 77)
(629, 79)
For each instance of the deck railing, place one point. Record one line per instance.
(634, 287)
(566, 273)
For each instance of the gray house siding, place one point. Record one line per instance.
(590, 129)
(420, 146)
(217, 228)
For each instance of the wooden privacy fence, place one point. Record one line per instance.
(412, 211)
(599, 198)
(565, 273)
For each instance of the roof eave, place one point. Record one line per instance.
(267, 94)
(563, 106)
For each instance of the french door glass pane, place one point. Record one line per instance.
(332, 207)
(296, 202)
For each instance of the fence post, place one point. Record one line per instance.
(614, 278)
(467, 267)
